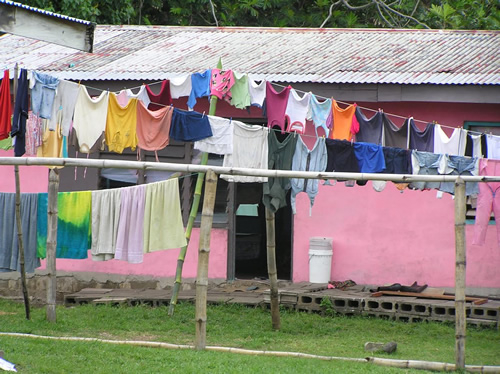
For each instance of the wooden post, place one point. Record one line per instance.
(207, 217)
(271, 269)
(192, 215)
(52, 244)
(460, 255)
(20, 243)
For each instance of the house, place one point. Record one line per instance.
(451, 77)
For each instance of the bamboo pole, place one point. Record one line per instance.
(460, 255)
(271, 269)
(190, 168)
(20, 243)
(207, 217)
(52, 244)
(192, 215)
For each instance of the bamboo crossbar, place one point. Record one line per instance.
(192, 168)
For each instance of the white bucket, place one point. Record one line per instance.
(320, 259)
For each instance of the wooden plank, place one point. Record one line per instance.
(474, 300)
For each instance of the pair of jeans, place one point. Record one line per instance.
(43, 94)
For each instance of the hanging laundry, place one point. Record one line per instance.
(43, 94)
(5, 106)
(162, 99)
(130, 232)
(370, 130)
(9, 249)
(153, 127)
(342, 158)
(221, 143)
(276, 103)
(459, 165)
(189, 126)
(105, 219)
(121, 125)
(296, 111)
(64, 101)
(163, 227)
(476, 145)
(280, 155)
(422, 141)
(221, 83)
(240, 95)
(493, 145)
(488, 201)
(200, 86)
(89, 121)
(33, 134)
(305, 159)
(52, 142)
(73, 224)
(180, 86)
(257, 92)
(394, 136)
(124, 96)
(343, 126)
(6, 144)
(370, 157)
(320, 113)
(454, 145)
(20, 114)
(250, 150)
(426, 163)
(397, 161)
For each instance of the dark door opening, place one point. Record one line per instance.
(250, 242)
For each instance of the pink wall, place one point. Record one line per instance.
(31, 178)
(159, 264)
(389, 236)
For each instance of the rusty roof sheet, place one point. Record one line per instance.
(44, 12)
(275, 54)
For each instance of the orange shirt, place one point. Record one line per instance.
(343, 128)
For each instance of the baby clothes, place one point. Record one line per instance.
(296, 111)
(105, 218)
(276, 106)
(189, 126)
(180, 86)
(394, 136)
(370, 130)
(493, 145)
(221, 142)
(319, 113)
(221, 83)
(422, 141)
(454, 145)
(488, 201)
(43, 93)
(343, 128)
(280, 156)
(200, 86)
(153, 127)
(64, 102)
(121, 125)
(160, 100)
(89, 120)
(163, 227)
(257, 92)
(5, 106)
(130, 232)
(305, 159)
(125, 95)
(249, 151)
(240, 96)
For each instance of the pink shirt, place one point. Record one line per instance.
(276, 106)
(221, 83)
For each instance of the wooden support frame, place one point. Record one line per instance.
(52, 244)
(271, 269)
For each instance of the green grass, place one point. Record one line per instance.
(228, 325)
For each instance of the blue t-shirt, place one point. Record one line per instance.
(200, 86)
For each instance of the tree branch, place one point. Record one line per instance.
(401, 14)
(349, 6)
(383, 17)
(329, 13)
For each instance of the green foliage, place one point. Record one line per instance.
(327, 307)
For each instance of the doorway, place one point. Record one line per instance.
(250, 235)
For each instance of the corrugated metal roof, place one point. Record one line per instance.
(45, 12)
(275, 54)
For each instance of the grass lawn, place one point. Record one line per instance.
(228, 325)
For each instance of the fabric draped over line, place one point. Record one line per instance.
(160, 100)
(276, 103)
(125, 95)
(105, 218)
(153, 127)
(9, 248)
(64, 102)
(421, 140)
(453, 145)
(321, 114)
(240, 94)
(200, 87)
(5, 106)
(221, 142)
(20, 114)
(121, 125)
(370, 130)
(257, 92)
(296, 111)
(345, 124)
